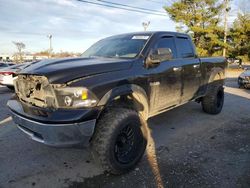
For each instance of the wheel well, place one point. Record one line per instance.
(130, 101)
(216, 76)
(122, 101)
(219, 76)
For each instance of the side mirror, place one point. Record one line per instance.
(159, 55)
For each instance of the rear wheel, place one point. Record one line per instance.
(213, 102)
(120, 140)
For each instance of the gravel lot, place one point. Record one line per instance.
(188, 148)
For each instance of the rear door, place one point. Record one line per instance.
(191, 73)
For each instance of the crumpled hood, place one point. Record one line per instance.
(64, 70)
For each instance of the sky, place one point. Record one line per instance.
(75, 25)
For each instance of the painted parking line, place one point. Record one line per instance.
(5, 120)
(239, 92)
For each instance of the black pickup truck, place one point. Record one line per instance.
(105, 97)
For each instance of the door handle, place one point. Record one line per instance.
(177, 68)
(154, 83)
(196, 66)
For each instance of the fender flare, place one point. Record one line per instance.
(217, 73)
(138, 94)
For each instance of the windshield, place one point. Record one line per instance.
(118, 47)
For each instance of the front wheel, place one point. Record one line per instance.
(213, 102)
(119, 140)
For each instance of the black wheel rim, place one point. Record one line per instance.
(127, 142)
(220, 98)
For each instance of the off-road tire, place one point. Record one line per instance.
(108, 130)
(213, 102)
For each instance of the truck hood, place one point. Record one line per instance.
(60, 71)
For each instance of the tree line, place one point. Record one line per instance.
(203, 20)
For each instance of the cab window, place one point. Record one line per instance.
(167, 42)
(184, 47)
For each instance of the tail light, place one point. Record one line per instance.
(6, 73)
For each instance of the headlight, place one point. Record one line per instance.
(75, 97)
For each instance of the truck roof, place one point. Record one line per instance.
(156, 33)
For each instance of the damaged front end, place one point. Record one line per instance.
(37, 91)
(53, 114)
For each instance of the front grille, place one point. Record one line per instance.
(35, 90)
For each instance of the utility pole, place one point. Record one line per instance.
(50, 45)
(145, 25)
(225, 26)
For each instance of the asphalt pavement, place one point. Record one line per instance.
(187, 148)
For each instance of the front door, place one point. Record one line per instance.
(165, 82)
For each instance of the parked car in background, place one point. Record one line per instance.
(244, 79)
(3, 65)
(9, 73)
(11, 64)
(233, 60)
